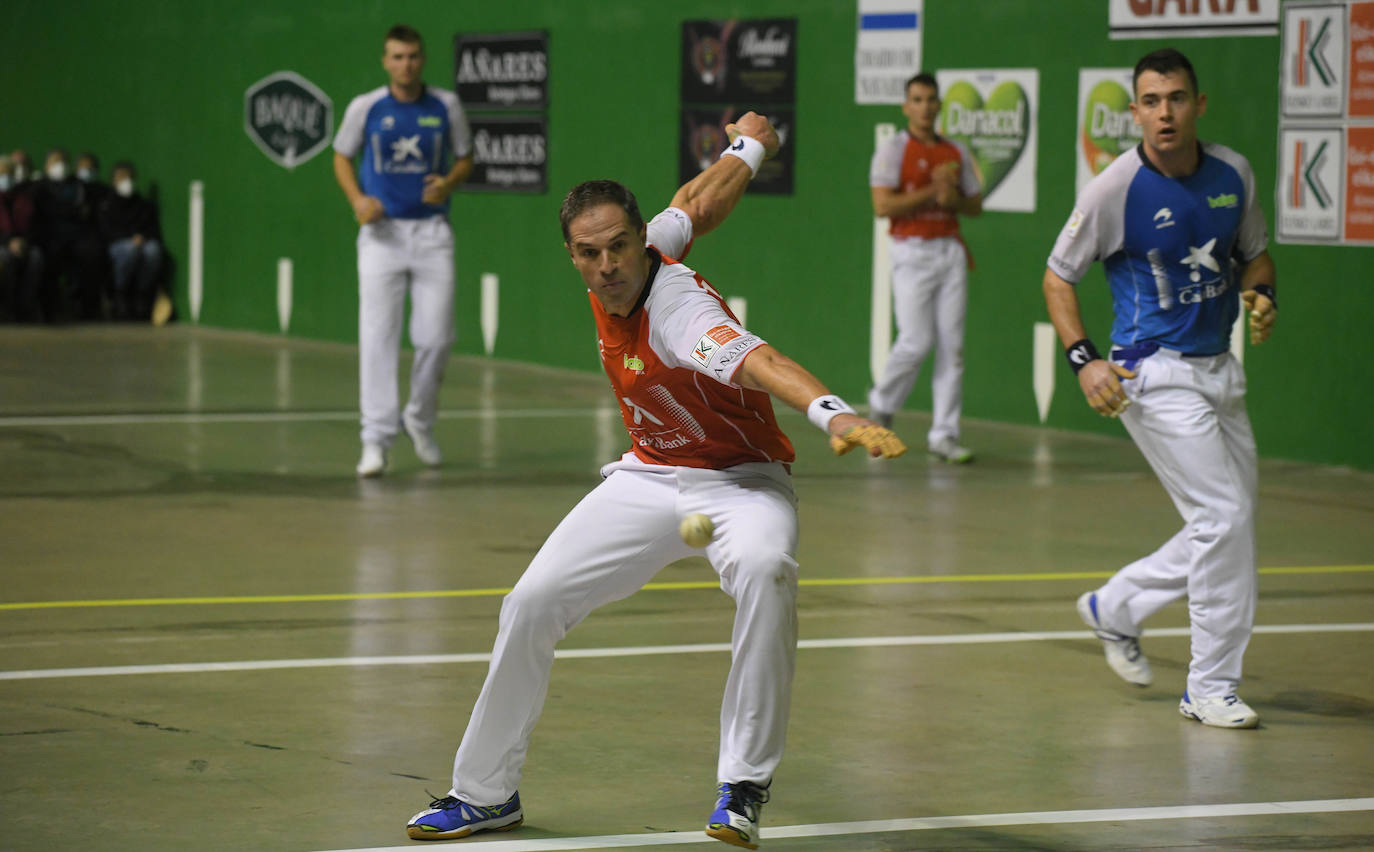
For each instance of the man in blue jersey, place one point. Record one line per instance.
(406, 132)
(1178, 228)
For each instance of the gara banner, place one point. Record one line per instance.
(993, 113)
(509, 154)
(728, 68)
(502, 70)
(1192, 18)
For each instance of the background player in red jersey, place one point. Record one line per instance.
(923, 183)
(693, 387)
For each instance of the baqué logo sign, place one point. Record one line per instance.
(288, 118)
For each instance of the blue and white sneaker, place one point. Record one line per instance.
(736, 817)
(1122, 651)
(1228, 712)
(450, 818)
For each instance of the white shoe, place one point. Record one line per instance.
(373, 461)
(426, 448)
(947, 449)
(1228, 712)
(1123, 652)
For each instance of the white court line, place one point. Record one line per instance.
(642, 651)
(830, 829)
(268, 416)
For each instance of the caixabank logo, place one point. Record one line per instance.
(1314, 63)
(288, 118)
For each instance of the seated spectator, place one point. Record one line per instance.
(129, 223)
(88, 172)
(71, 242)
(23, 167)
(21, 262)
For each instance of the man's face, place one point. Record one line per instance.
(1167, 110)
(610, 256)
(921, 107)
(403, 62)
(55, 166)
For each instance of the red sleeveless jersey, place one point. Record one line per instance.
(671, 363)
(904, 164)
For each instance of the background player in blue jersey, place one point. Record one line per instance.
(1178, 228)
(406, 132)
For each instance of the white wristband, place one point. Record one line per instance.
(824, 408)
(748, 149)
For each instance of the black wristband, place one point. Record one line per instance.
(1267, 291)
(1081, 354)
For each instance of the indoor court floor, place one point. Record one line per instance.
(214, 636)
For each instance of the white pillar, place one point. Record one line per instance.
(491, 309)
(1044, 358)
(284, 293)
(880, 321)
(196, 271)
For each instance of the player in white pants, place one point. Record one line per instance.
(405, 132)
(923, 182)
(929, 302)
(1178, 226)
(694, 388)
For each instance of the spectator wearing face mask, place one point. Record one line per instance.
(71, 241)
(88, 172)
(131, 229)
(21, 262)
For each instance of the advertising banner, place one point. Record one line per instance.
(1106, 128)
(994, 114)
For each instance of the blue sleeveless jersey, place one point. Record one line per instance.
(1172, 248)
(401, 143)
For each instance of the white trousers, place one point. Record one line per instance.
(612, 543)
(396, 256)
(929, 302)
(1188, 418)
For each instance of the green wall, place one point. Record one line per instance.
(162, 82)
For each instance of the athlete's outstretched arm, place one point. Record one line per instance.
(710, 196)
(768, 370)
(1100, 379)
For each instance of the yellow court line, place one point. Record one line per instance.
(488, 593)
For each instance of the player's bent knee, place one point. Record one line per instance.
(764, 570)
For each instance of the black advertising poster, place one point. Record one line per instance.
(702, 138)
(750, 62)
(502, 71)
(509, 154)
(728, 68)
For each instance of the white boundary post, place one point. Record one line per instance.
(880, 320)
(196, 271)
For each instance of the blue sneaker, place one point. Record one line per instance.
(736, 817)
(449, 818)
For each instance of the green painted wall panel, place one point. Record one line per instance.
(163, 82)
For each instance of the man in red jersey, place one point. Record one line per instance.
(923, 183)
(693, 387)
